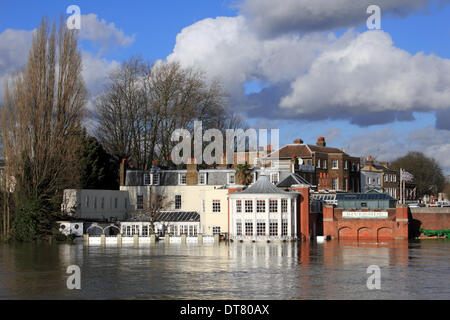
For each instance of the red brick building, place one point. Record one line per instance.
(325, 167)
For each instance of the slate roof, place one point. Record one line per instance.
(363, 196)
(262, 186)
(178, 216)
(291, 180)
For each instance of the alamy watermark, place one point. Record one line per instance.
(74, 280)
(374, 20)
(73, 22)
(374, 280)
(237, 140)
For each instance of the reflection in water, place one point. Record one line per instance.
(332, 270)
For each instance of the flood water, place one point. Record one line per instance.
(332, 270)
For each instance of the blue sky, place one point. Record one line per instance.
(150, 28)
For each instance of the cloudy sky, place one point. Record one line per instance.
(309, 68)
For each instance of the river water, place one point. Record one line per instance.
(332, 270)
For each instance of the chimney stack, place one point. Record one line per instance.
(369, 161)
(122, 172)
(298, 141)
(192, 173)
(321, 142)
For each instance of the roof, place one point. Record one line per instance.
(363, 196)
(262, 186)
(301, 150)
(178, 216)
(292, 179)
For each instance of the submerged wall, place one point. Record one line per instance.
(429, 218)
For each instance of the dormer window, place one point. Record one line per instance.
(202, 178)
(274, 177)
(182, 179)
(151, 179)
(231, 179)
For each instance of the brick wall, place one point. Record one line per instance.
(394, 227)
(429, 218)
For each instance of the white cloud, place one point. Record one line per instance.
(103, 33)
(360, 77)
(387, 144)
(14, 44)
(367, 73)
(270, 17)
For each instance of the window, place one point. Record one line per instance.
(147, 179)
(260, 228)
(95, 203)
(238, 228)
(346, 184)
(274, 177)
(145, 231)
(392, 177)
(155, 177)
(364, 204)
(115, 203)
(248, 206)
(335, 183)
(386, 178)
(357, 167)
(216, 206)
(231, 178)
(273, 228)
(182, 178)
(318, 163)
(216, 230)
(335, 164)
(273, 205)
(378, 181)
(87, 202)
(324, 164)
(346, 164)
(395, 178)
(134, 230)
(178, 202)
(103, 203)
(202, 179)
(248, 228)
(260, 205)
(151, 179)
(140, 202)
(284, 227)
(368, 180)
(353, 166)
(284, 205)
(238, 206)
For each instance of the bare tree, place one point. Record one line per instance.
(41, 118)
(156, 203)
(144, 104)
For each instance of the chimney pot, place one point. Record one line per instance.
(321, 142)
(298, 141)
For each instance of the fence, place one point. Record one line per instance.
(136, 240)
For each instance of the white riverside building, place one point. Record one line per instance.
(263, 212)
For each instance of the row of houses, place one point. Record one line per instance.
(296, 178)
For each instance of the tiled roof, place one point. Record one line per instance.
(363, 196)
(301, 150)
(262, 186)
(324, 149)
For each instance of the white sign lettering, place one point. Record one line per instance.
(364, 215)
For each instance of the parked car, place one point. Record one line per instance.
(416, 205)
(443, 204)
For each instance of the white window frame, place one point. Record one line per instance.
(277, 177)
(336, 187)
(238, 206)
(318, 163)
(229, 175)
(260, 206)
(204, 176)
(333, 162)
(180, 178)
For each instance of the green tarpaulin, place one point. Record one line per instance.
(439, 233)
